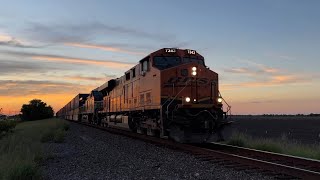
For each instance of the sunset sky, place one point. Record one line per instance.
(267, 52)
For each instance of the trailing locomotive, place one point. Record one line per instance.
(170, 93)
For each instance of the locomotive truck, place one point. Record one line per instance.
(170, 93)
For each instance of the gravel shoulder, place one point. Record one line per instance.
(89, 153)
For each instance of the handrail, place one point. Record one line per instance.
(228, 112)
(167, 112)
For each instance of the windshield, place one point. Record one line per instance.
(164, 62)
(187, 60)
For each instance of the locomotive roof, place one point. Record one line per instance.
(109, 85)
(176, 52)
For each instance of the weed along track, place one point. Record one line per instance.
(242, 159)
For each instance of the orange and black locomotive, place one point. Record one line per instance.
(171, 93)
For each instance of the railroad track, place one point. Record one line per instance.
(242, 159)
(286, 165)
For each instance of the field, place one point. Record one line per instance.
(21, 150)
(301, 129)
(293, 135)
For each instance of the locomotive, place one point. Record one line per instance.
(170, 93)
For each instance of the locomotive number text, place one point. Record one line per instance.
(170, 50)
(191, 52)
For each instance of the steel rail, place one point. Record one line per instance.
(289, 160)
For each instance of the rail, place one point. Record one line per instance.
(288, 160)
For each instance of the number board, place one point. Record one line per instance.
(171, 50)
(193, 52)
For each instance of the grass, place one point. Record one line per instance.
(21, 151)
(6, 126)
(281, 145)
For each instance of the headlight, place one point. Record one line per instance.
(187, 99)
(219, 100)
(194, 71)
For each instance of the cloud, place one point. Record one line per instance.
(87, 78)
(275, 80)
(253, 69)
(22, 67)
(68, 32)
(104, 48)
(281, 56)
(286, 57)
(265, 76)
(239, 70)
(18, 88)
(261, 101)
(110, 64)
(71, 60)
(6, 40)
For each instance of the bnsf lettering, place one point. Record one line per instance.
(181, 81)
(203, 81)
(173, 80)
(187, 79)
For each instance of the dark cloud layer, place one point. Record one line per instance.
(68, 32)
(20, 67)
(66, 59)
(86, 78)
(31, 87)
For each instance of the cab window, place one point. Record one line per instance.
(144, 64)
(164, 62)
(188, 60)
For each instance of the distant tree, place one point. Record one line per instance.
(35, 110)
(2, 116)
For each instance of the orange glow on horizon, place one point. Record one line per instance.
(56, 101)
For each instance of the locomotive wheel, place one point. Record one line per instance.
(176, 134)
(132, 124)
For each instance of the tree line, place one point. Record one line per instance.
(36, 110)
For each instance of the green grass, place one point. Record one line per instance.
(21, 151)
(281, 145)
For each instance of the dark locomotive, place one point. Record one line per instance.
(171, 93)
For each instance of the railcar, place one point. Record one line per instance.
(170, 93)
